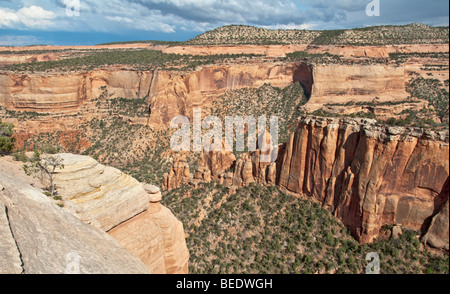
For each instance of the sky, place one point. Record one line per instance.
(90, 22)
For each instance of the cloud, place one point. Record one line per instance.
(35, 16)
(190, 17)
(258, 12)
(32, 17)
(152, 23)
(172, 15)
(119, 19)
(7, 18)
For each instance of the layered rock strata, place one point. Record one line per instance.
(54, 93)
(178, 175)
(128, 210)
(160, 244)
(38, 237)
(366, 174)
(103, 196)
(173, 93)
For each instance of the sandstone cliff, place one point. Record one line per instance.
(367, 175)
(173, 93)
(282, 50)
(66, 93)
(103, 196)
(38, 237)
(438, 231)
(177, 93)
(129, 211)
(156, 236)
(344, 83)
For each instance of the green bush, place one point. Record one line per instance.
(6, 141)
(20, 156)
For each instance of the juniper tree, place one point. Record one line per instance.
(45, 164)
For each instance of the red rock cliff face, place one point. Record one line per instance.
(173, 93)
(62, 93)
(367, 175)
(177, 93)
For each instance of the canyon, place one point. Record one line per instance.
(363, 144)
(366, 175)
(174, 93)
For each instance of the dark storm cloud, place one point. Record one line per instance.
(175, 16)
(257, 12)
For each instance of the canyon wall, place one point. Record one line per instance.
(365, 174)
(344, 83)
(173, 93)
(177, 93)
(369, 176)
(17, 59)
(67, 92)
(282, 50)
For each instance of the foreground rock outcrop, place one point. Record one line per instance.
(38, 237)
(102, 196)
(128, 210)
(160, 243)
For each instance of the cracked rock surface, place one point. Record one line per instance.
(38, 237)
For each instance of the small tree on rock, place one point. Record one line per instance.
(45, 164)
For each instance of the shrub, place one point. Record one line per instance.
(6, 141)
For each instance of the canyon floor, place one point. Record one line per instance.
(362, 164)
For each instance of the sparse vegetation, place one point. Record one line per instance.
(138, 59)
(313, 58)
(260, 230)
(240, 34)
(111, 140)
(402, 57)
(379, 35)
(23, 115)
(150, 42)
(6, 140)
(264, 101)
(41, 163)
(431, 90)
